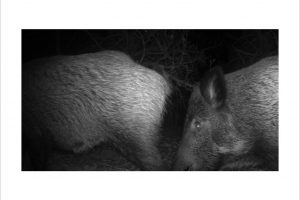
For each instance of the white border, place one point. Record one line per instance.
(275, 14)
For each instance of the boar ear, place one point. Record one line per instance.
(213, 88)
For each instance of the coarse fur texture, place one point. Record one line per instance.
(232, 121)
(78, 102)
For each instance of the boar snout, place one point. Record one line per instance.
(182, 165)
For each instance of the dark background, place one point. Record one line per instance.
(193, 49)
(182, 56)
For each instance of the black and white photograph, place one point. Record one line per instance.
(149, 99)
(180, 100)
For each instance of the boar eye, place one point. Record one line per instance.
(197, 124)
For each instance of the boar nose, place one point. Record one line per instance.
(183, 165)
(185, 159)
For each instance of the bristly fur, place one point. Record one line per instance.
(84, 100)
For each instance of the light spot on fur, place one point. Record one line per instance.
(211, 90)
(238, 147)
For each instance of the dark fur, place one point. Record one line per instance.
(232, 121)
(78, 102)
